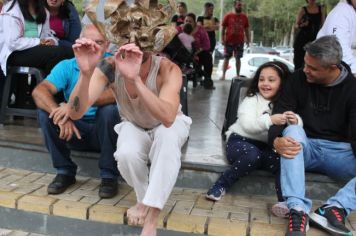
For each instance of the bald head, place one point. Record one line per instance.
(91, 32)
(88, 27)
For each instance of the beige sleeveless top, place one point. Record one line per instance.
(134, 110)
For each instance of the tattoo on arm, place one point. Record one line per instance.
(76, 104)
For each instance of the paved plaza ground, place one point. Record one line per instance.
(187, 210)
(23, 185)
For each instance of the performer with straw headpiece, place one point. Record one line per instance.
(146, 87)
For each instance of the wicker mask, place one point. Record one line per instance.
(140, 22)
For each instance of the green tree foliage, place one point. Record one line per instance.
(79, 5)
(270, 20)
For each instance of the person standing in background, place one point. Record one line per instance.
(309, 20)
(341, 22)
(201, 47)
(182, 11)
(235, 29)
(210, 23)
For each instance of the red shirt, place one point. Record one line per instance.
(56, 25)
(235, 25)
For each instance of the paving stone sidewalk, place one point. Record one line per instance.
(8, 232)
(187, 210)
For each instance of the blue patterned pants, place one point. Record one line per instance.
(246, 155)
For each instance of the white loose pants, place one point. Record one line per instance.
(162, 147)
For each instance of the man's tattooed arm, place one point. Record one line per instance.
(76, 104)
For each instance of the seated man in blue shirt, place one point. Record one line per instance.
(94, 132)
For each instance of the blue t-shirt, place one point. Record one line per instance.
(64, 76)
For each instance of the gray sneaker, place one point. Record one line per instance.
(331, 219)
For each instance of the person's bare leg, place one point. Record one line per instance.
(151, 221)
(136, 214)
(238, 66)
(225, 65)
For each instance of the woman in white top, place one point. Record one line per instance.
(25, 37)
(246, 148)
(26, 40)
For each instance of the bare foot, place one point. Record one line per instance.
(137, 214)
(150, 226)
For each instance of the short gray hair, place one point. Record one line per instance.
(327, 49)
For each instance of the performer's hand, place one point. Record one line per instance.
(287, 147)
(87, 53)
(60, 115)
(128, 61)
(67, 130)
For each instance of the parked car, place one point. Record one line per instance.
(218, 53)
(260, 49)
(287, 54)
(281, 48)
(249, 65)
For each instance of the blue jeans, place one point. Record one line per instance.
(97, 135)
(334, 159)
(345, 197)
